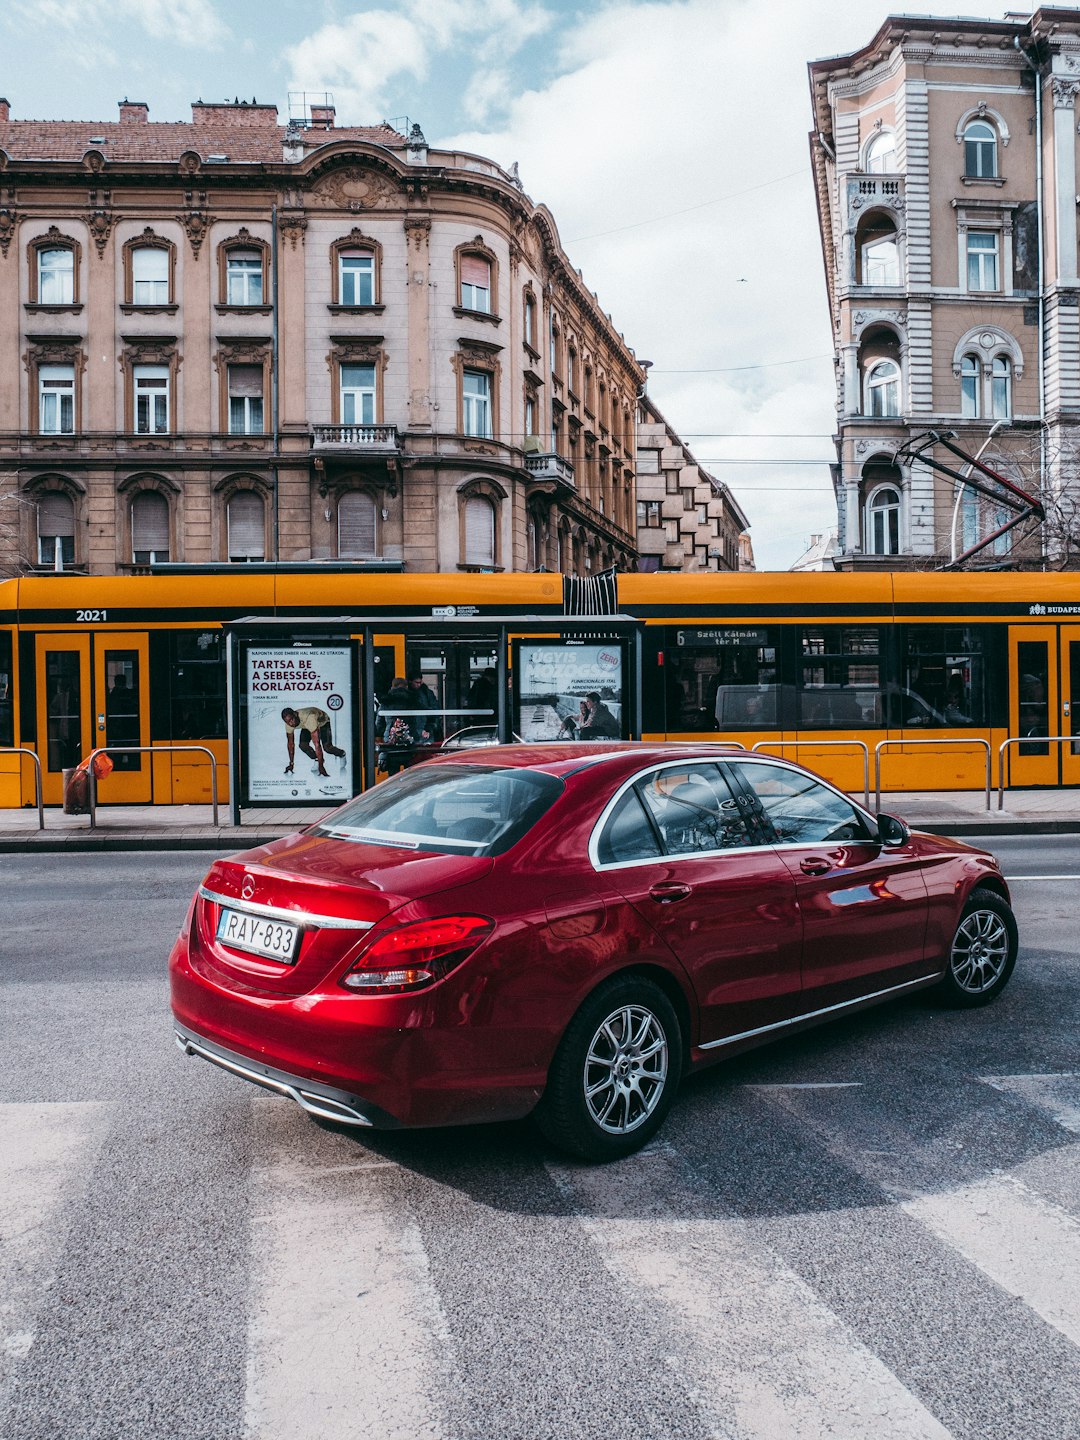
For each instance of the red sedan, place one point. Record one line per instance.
(567, 929)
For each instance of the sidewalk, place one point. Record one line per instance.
(190, 827)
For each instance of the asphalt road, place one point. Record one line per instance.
(869, 1231)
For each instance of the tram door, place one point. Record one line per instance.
(93, 691)
(1044, 700)
(460, 675)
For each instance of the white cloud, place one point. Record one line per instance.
(194, 23)
(362, 57)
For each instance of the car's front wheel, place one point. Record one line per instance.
(983, 951)
(615, 1072)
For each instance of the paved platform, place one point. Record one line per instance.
(190, 827)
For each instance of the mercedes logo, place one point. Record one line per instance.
(247, 889)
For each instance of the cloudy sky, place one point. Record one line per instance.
(669, 138)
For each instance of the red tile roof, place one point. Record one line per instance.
(165, 141)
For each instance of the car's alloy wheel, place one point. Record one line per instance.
(983, 951)
(615, 1072)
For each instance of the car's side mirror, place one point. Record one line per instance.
(892, 831)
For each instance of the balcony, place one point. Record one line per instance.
(864, 192)
(355, 439)
(550, 467)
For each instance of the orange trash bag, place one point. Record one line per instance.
(102, 766)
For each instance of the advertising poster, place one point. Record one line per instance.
(570, 692)
(299, 724)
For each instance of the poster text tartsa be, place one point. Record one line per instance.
(299, 724)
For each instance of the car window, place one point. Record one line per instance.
(457, 809)
(694, 809)
(628, 834)
(800, 809)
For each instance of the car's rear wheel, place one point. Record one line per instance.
(615, 1072)
(983, 952)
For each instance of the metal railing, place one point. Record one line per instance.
(1023, 740)
(22, 750)
(969, 741)
(815, 744)
(91, 788)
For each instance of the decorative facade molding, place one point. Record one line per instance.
(353, 188)
(1064, 92)
(988, 341)
(293, 228)
(982, 111)
(101, 221)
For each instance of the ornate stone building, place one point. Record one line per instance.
(946, 166)
(227, 341)
(686, 519)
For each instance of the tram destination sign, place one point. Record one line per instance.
(723, 635)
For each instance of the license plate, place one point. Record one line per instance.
(275, 939)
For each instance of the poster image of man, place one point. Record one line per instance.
(571, 692)
(310, 728)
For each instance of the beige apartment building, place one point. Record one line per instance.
(945, 159)
(686, 519)
(229, 341)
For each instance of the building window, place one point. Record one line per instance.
(970, 386)
(56, 276)
(476, 403)
(356, 526)
(883, 521)
(244, 277)
(530, 418)
(245, 400)
(56, 531)
(881, 263)
(357, 394)
(149, 528)
(880, 156)
(530, 320)
(554, 347)
(571, 369)
(475, 282)
(246, 522)
(982, 260)
(1001, 388)
(883, 389)
(151, 399)
(980, 151)
(150, 275)
(356, 277)
(56, 399)
(479, 531)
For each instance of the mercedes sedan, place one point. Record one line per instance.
(566, 930)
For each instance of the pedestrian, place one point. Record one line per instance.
(398, 727)
(428, 701)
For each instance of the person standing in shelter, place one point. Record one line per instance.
(312, 727)
(398, 726)
(423, 692)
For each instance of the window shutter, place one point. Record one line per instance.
(475, 270)
(150, 523)
(246, 526)
(356, 526)
(150, 263)
(56, 515)
(479, 532)
(246, 380)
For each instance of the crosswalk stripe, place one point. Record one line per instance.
(1027, 1245)
(47, 1151)
(346, 1337)
(1058, 1095)
(759, 1351)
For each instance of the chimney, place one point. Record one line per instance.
(5, 110)
(322, 117)
(234, 114)
(134, 110)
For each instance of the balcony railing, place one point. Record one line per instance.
(381, 439)
(550, 467)
(866, 191)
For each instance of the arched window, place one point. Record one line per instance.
(980, 150)
(356, 526)
(246, 523)
(479, 531)
(56, 276)
(530, 320)
(883, 521)
(970, 387)
(56, 530)
(883, 388)
(149, 528)
(532, 548)
(881, 154)
(1001, 388)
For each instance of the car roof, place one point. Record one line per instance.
(566, 759)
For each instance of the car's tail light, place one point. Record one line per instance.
(416, 955)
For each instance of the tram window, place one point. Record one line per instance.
(839, 677)
(725, 679)
(7, 695)
(944, 678)
(197, 692)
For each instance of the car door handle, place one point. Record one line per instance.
(669, 892)
(815, 865)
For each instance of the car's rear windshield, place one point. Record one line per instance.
(455, 809)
